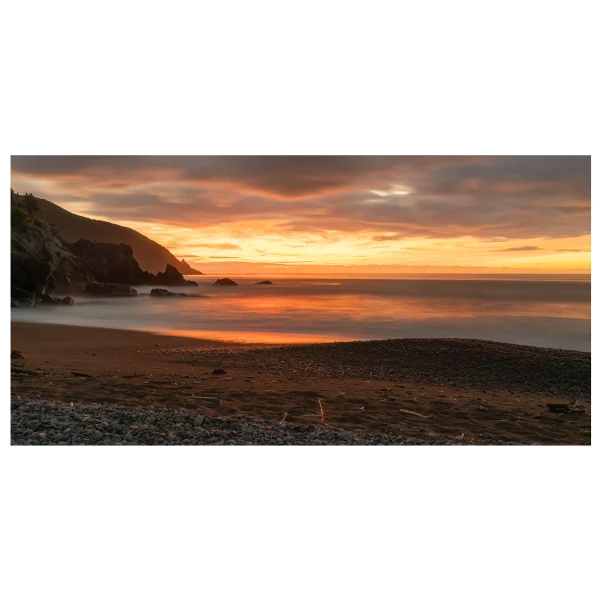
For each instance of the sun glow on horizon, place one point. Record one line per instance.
(205, 246)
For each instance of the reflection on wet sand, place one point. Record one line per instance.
(256, 337)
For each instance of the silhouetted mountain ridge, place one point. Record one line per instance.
(150, 255)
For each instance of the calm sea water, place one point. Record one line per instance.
(549, 311)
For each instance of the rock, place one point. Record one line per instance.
(162, 293)
(199, 420)
(172, 277)
(16, 354)
(22, 299)
(186, 269)
(109, 289)
(53, 299)
(219, 372)
(70, 289)
(265, 282)
(225, 281)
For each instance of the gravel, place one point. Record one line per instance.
(50, 422)
(450, 362)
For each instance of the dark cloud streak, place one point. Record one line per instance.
(521, 249)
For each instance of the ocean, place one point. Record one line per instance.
(548, 311)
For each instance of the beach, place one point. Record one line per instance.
(438, 391)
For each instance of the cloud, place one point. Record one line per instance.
(389, 197)
(217, 246)
(388, 237)
(521, 249)
(279, 176)
(569, 250)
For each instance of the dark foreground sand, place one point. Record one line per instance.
(459, 391)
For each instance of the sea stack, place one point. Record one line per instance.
(225, 281)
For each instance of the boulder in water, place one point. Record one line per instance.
(109, 289)
(172, 276)
(225, 281)
(54, 299)
(162, 293)
(265, 282)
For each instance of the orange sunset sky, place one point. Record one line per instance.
(353, 214)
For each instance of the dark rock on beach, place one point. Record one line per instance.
(162, 293)
(225, 281)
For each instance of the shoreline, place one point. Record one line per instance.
(181, 336)
(420, 389)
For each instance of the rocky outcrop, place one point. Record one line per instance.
(54, 299)
(265, 282)
(20, 298)
(187, 270)
(44, 263)
(172, 277)
(40, 258)
(109, 289)
(225, 281)
(150, 255)
(109, 262)
(162, 293)
(115, 263)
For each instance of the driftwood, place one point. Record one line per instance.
(26, 372)
(416, 414)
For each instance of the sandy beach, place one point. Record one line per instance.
(465, 391)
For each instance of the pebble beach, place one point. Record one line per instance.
(75, 385)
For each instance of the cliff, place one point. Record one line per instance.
(150, 255)
(43, 262)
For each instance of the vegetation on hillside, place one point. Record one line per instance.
(25, 214)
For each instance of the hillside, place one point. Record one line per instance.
(44, 263)
(150, 255)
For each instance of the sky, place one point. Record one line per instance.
(342, 214)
